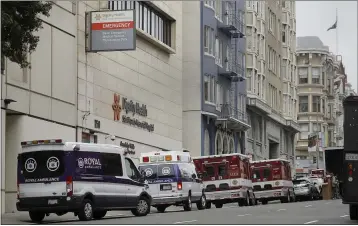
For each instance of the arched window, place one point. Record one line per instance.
(206, 143)
(232, 145)
(218, 144)
(225, 145)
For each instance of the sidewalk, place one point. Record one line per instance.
(23, 217)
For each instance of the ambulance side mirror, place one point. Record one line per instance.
(193, 176)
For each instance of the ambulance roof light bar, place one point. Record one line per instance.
(36, 142)
(160, 157)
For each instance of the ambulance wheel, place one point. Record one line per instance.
(161, 209)
(353, 212)
(188, 204)
(241, 202)
(202, 203)
(247, 200)
(253, 201)
(36, 216)
(264, 202)
(208, 205)
(85, 212)
(99, 214)
(143, 207)
(219, 205)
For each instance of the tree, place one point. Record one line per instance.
(19, 21)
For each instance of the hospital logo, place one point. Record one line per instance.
(53, 163)
(30, 165)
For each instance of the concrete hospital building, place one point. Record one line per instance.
(70, 94)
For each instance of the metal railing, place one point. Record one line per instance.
(229, 111)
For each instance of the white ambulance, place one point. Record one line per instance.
(87, 179)
(172, 180)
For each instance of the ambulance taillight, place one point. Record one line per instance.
(350, 169)
(145, 159)
(69, 186)
(180, 185)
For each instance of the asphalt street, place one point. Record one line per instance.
(313, 212)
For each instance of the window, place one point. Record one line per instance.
(111, 164)
(151, 171)
(148, 19)
(219, 96)
(323, 77)
(209, 40)
(209, 89)
(218, 144)
(222, 170)
(209, 171)
(34, 164)
(316, 104)
(209, 4)
(132, 171)
(304, 130)
(218, 10)
(303, 103)
(303, 75)
(206, 142)
(316, 127)
(266, 173)
(315, 75)
(218, 51)
(166, 171)
(228, 58)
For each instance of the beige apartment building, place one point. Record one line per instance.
(271, 79)
(321, 90)
(69, 94)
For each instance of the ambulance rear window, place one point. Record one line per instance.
(166, 170)
(41, 164)
(266, 173)
(209, 171)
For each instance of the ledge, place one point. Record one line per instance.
(155, 42)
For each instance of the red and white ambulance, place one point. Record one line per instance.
(226, 179)
(272, 180)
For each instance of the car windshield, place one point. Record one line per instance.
(295, 182)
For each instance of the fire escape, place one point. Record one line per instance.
(233, 116)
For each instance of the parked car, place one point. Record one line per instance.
(305, 189)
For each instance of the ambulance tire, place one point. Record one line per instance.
(219, 205)
(36, 216)
(162, 208)
(264, 202)
(241, 203)
(201, 205)
(188, 204)
(247, 200)
(253, 200)
(208, 205)
(143, 207)
(353, 212)
(97, 215)
(85, 213)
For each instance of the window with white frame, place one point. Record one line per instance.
(316, 104)
(315, 75)
(219, 96)
(209, 4)
(206, 143)
(227, 58)
(305, 128)
(209, 40)
(218, 52)
(316, 127)
(218, 9)
(303, 104)
(303, 75)
(148, 19)
(209, 89)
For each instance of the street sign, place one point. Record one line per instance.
(111, 31)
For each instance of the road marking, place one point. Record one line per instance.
(243, 215)
(308, 206)
(281, 210)
(181, 222)
(345, 216)
(310, 222)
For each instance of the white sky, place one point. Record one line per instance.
(315, 17)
